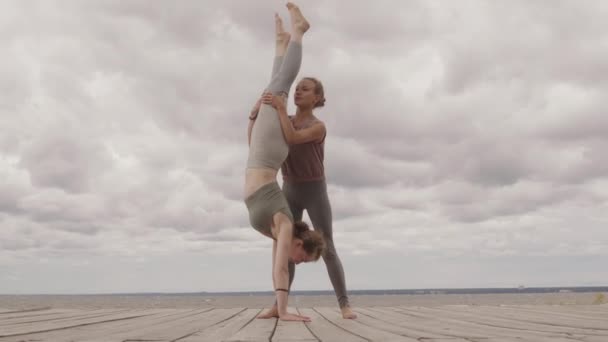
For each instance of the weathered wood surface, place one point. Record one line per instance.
(449, 323)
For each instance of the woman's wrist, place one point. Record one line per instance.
(281, 310)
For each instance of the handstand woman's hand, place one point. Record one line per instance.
(278, 102)
(293, 317)
(255, 110)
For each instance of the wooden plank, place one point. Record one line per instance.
(590, 338)
(56, 315)
(71, 318)
(292, 331)
(357, 328)
(595, 310)
(25, 329)
(184, 327)
(256, 330)
(414, 327)
(173, 330)
(559, 311)
(462, 330)
(443, 326)
(467, 326)
(483, 318)
(11, 311)
(325, 330)
(150, 317)
(223, 330)
(542, 318)
(38, 316)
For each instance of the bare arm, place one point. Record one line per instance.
(316, 132)
(274, 258)
(249, 129)
(280, 268)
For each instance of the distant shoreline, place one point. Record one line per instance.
(432, 291)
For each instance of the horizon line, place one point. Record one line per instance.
(437, 290)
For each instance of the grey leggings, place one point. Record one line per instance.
(268, 148)
(312, 196)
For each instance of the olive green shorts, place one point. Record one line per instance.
(263, 204)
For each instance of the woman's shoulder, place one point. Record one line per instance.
(305, 124)
(315, 121)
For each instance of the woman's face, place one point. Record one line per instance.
(297, 254)
(305, 94)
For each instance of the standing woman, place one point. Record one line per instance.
(304, 183)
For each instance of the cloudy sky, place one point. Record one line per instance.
(464, 143)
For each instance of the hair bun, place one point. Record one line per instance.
(320, 103)
(313, 242)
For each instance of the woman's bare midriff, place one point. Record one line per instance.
(255, 178)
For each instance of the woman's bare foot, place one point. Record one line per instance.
(299, 24)
(347, 313)
(282, 36)
(273, 312)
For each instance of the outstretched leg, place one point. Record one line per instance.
(282, 39)
(299, 24)
(267, 147)
(284, 78)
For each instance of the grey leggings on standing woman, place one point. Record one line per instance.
(312, 197)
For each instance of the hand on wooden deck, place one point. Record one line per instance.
(294, 317)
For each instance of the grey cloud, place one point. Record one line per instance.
(12, 189)
(240, 235)
(122, 24)
(586, 120)
(194, 207)
(592, 164)
(347, 203)
(353, 165)
(65, 244)
(18, 243)
(15, 87)
(64, 158)
(486, 204)
(486, 162)
(64, 211)
(552, 49)
(133, 46)
(469, 129)
(380, 25)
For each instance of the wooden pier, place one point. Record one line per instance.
(448, 323)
